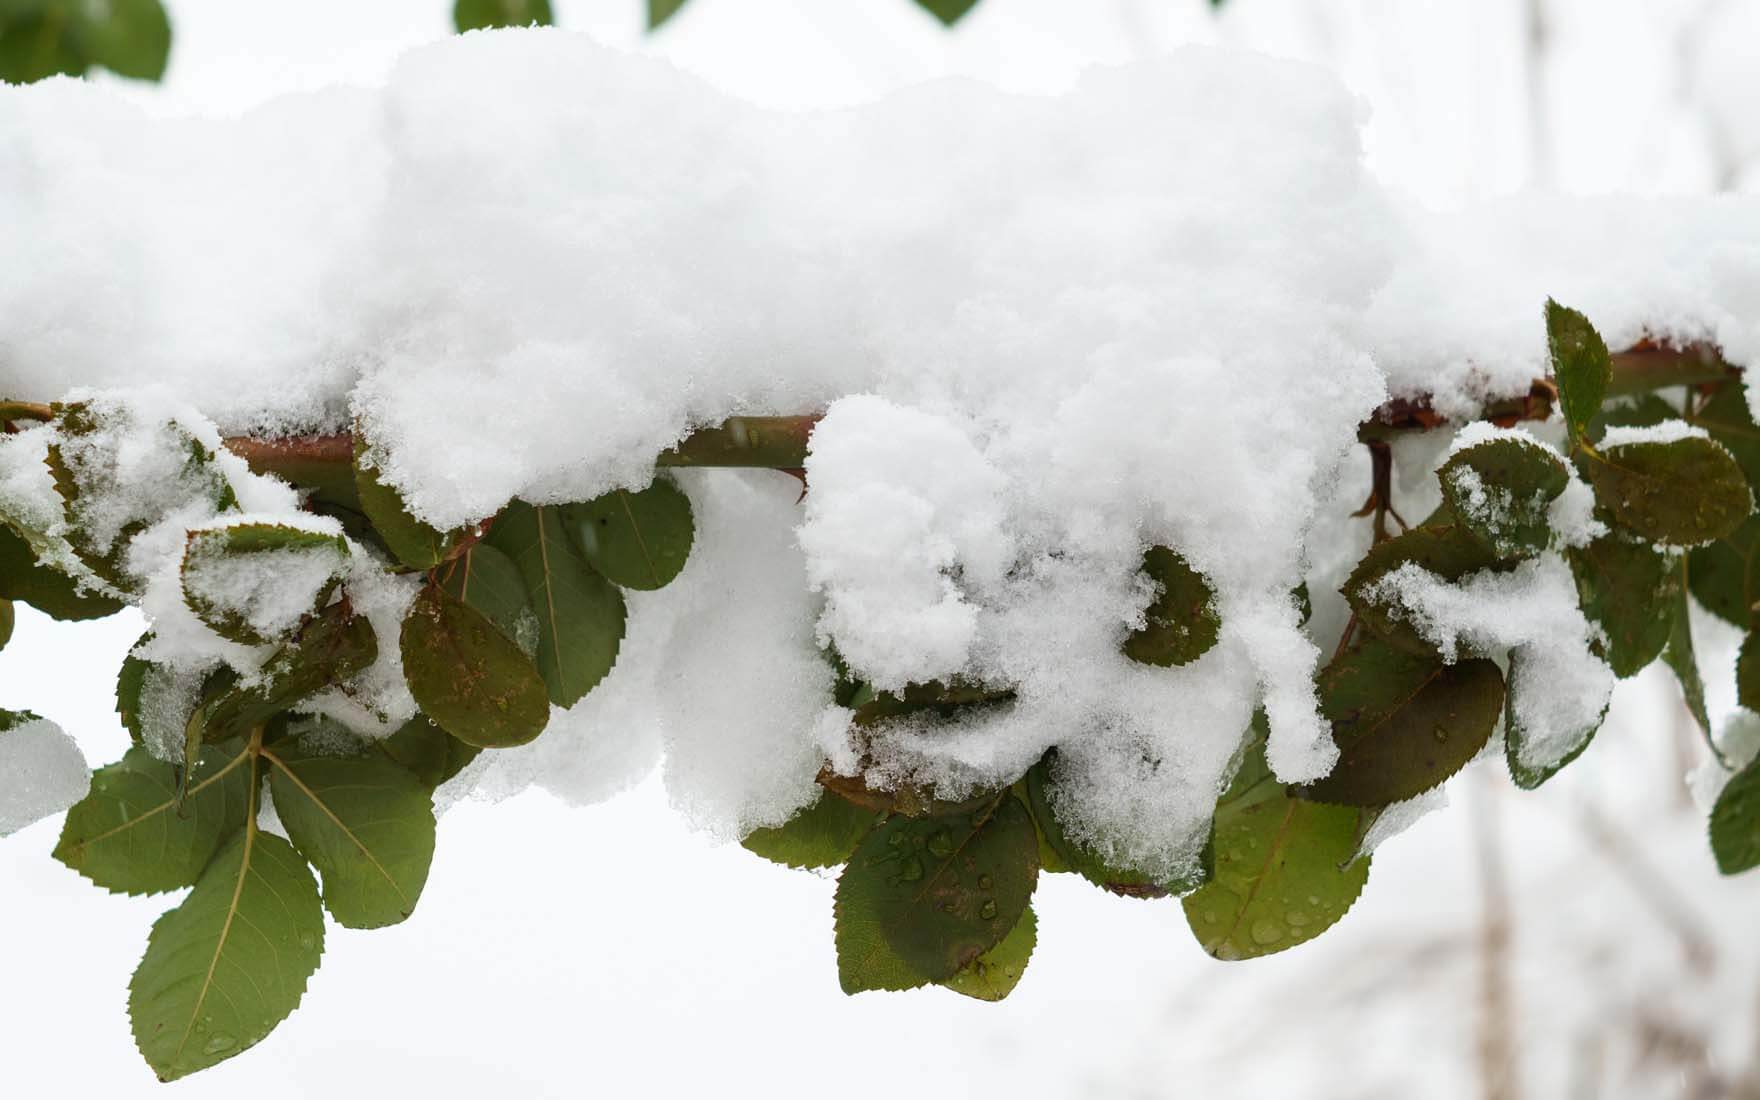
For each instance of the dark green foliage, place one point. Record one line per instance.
(487, 580)
(1073, 856)
(1285, 870)
(1725, 416)
(1403, 723)
(659, 11)
(1526, 772)
(235, 543)
(1445, 549)
(1680, 659)
(637, 540)
(1500, 491)
(1748, 672)
(822, 835)
(49, 590)
(416, 544)
(1725, 575)
(472, 15)
(1735, 822)
(426, 751)
(994, 974)
(42, 38)
(332, 648)
(469, 677)
(1682, 493)
(580, 615)
(1580, 364)
(948, 11)
(922, 898)
(1182, 623)
(1626, 588)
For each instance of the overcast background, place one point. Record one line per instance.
(563, 951)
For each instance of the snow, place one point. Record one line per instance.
(41, 772)
(1669, 431)
(1047, 333)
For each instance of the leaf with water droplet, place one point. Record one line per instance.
(469, 677)
(366, 824)
(1386, 708)
(1725, 575)
(896, 929)
(580, 613)
(126, 834)
(487, 580)
(994, 974)
(1580, 365)
(1628, 589)
(1500, 491)
(331, 648)
(637, 540)
(238, 950)
(1271, 846)
(822, 835)
(1682, 493)
(1735, 822)
(1181, 621)
(426, 751)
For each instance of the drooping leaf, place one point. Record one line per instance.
(1446, 550)
(1682, 493)
(1735, 822)
(659, 11)
(416, 544)
(426, 751)
(1628, 589)
(948, 11)
(1284, 869)
(580, 613)
(487, 579)
(127, 835)
(1500, 491)
(49, 590)
(1403, 723)
(332, 647)
(934, 893)
(637, 540)
(994, 974)
(822, 835)
(1182, 623)
(231, 962)
(1074, 856)
(250, 581)
(1580, 364)
(128, 37)
(366, 824)
(1680, 658)
(1725, 575)
(473, 15)
(469, 677)
(1531, 760)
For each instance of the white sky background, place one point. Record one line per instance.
(609, 951)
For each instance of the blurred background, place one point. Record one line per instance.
(1576, 942)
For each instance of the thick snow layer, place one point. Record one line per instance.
(1048, 333)
(41, 773)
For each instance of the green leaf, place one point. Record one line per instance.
(1679, 657)
(469, 677)
(1748, 672)
(1682, 493)
(1725, 575)
(1629, 590)
(580, 614)
(822, 835)
(1640, 410)
(1530, 764)
(948, 11)
(366, 824)
(994, 974)
(126, 834)
(1285, 870)
(659, 11)
(128, 37)
(6, 620)
(426, 751)
(933, 894)
(221, 558)
(1446, 550)
(1501, 489)
(416, 544)
(222, 969)
(1182, 623)
(637, 540)
(1403, 723)
(332, 647)
(131, 682)
(1725, 415)
(1735, 822)
(471, 15)
(488, 580)
(1074, 856)
(38, 45)
(1580, 364)
(49, 590)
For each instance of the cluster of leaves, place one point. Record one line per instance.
(510, 617)
(43, 38)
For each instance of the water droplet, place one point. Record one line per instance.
(218, 1042)
(307, 940)
(983, 882)
(1312, 900)
(987, 911)
(1226, 951)
(1265, 930)
(941, 844)
(910, 870)
(1440, 734)
(1296, 919)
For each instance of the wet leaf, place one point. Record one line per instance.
(1445, 549)
(1501, 490)
(416, 544)
(580, 614)
(1735, 822)
(469, 677)
(278, 551)
(1725, 575)
(1628, 589)
(637, 540)
(822, 835)
(49, 590)
(1580, 364)
(1682, 493)
(994, 974)
(1182, 623)
(1531, 763)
